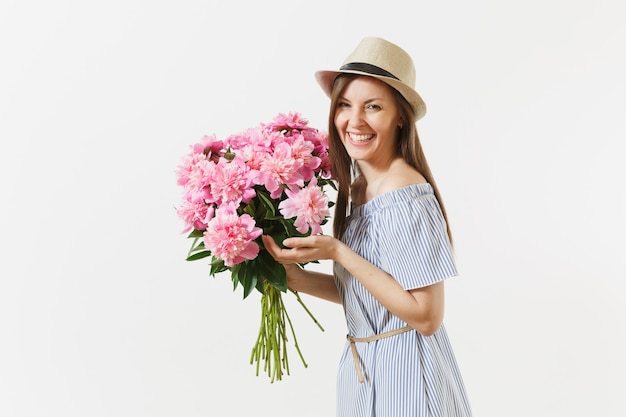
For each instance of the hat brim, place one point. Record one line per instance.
(326, 78)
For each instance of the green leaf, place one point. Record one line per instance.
(289, 228)
(260, 287)
(234, 274)
(272, 271)
(260, 213)
(250, 209)
(278, 279)
(278, 238)
(195, 248)
(267, 201)
(196, 233)
(273, 217)
(217, 266)
(248, 277)
(199, 255)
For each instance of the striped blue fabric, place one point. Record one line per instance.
(408, 375)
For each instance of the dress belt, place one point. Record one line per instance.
(368, 339)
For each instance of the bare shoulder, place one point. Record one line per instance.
(401, 175)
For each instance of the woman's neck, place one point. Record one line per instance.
(378, 180)
(374, 171)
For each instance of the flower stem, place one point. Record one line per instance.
(271, 342)
(295, 341)
(307, 310)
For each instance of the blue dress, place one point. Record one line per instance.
(403, 232)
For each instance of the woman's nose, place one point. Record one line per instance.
(355, 118)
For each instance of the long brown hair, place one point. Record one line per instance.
(342, 167)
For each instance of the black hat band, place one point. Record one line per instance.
(368, 68)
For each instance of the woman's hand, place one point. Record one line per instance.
(303, 249)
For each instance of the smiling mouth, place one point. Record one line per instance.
(358, 139)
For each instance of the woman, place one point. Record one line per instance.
(392, 248)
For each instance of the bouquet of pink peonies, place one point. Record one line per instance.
(269, 180)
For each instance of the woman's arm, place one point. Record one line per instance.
(313, 283)
(421, 308)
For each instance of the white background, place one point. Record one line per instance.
(101, 316)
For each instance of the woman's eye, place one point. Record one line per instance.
(343, 104)
(373, 107)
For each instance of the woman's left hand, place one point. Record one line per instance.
(303, 249)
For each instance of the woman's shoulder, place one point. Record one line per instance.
(400, 175)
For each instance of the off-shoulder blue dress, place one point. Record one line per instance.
(402, 232)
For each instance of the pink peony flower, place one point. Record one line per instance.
(324, 168)
(281, 168)
(257, 138)
(186, 167)
(195, 215)
(302, 150)
(291, 120)
(209, 146)
(198, 178)
(319, 139)
(230, 182)
(309, 205)
(231, 237)
(252, 155)
(192, 172)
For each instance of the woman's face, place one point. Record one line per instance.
(367, 120)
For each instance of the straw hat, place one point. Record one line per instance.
(378, 58)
